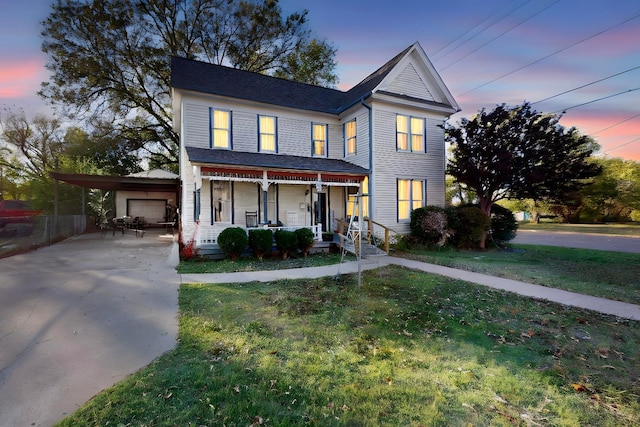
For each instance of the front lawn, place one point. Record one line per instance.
(404, 349)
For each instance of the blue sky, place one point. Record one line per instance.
(487, 52)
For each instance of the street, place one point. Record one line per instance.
(604, 242)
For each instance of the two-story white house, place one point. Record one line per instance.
(257, 150)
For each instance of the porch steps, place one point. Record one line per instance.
(368, 250)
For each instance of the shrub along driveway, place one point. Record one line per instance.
(79, 316)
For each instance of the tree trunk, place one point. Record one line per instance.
(485, 207)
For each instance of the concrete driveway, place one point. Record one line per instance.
(79, 316)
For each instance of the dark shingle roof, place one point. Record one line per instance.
(225, 81)
(231, 82)
(275, 161)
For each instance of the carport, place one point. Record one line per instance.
(145, 194)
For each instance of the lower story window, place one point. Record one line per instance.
(220, 201)
(352, 208)
(410, 196)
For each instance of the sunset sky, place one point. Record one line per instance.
(557, 54)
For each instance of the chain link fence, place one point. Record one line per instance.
(21, 234)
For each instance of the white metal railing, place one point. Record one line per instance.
(209, 235)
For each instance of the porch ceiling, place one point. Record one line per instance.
(283, 162)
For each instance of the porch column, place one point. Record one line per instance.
(197, 178)
(265, 197)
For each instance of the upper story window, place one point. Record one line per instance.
(267, 134)
(319, 140)
(410, 133)
(410, 197)
(220, 129)
(350, 137)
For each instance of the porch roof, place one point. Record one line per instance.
(273, 161)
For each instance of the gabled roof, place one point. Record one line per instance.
(214, 79)
(272, 161)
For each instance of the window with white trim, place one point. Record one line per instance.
(220, 196)
(350, 137)
(318, 140)
(267, 134)
(220, 136)
(411, 195)
(410, 133)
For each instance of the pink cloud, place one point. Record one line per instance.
(21, 78)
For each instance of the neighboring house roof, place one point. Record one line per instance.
(155, 173)
(272, 161)
(219, 80)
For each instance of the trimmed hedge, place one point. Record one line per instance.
(473, 223)
(233, 241)
(286, 241)
(260, 241)
(504, 226)
(306, 240)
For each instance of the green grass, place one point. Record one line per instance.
(613, 275)
(200, 265)
(628, 229)
(404, 349)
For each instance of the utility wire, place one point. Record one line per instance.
(596, 100)
(586, 85)
(621, 145)
(435, 55)
(551, 54)
(501, 34)
(616, 124)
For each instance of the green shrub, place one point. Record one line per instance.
(453, 221)
(233, 241)
(473, 223)
(503, 224)
(306, 240)
(429, 225)
(286, 241)
(260, 241)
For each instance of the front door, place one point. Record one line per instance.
(320, 210)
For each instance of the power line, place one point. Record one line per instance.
(621, 145)
(501, 34)
(586, 85)
(616, 124)
(435, 55)
(596, 100)
(551, 54)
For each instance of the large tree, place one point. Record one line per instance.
(517, 152)
(110, 58)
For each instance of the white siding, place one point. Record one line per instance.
(390, 165)
(292, 206)
(410, 83)
(246, 198)
(196, 125)
(361, 115)
(244, 130)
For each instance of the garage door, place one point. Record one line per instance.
(151, 210)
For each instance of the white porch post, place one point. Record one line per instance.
(265, 197)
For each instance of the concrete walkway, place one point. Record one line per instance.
(602, 305)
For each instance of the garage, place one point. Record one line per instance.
(152, 210)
